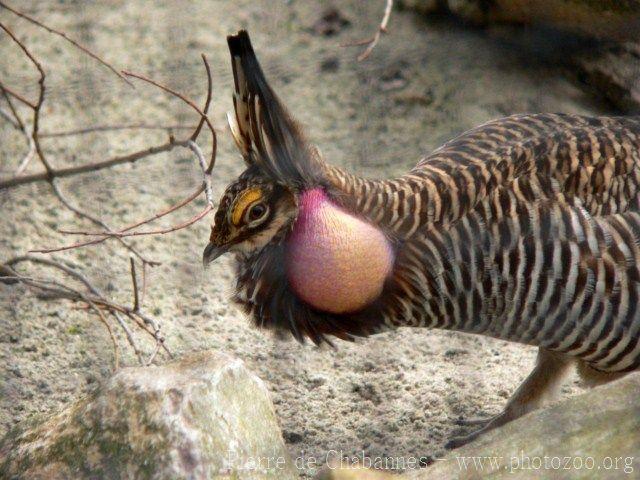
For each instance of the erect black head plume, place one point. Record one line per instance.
(264, 131)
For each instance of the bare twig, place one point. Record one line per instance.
(9, 118)
(189, 102)
(17, 96)
(134, 284)
(112, 128)
(208, 191)
(129, 335)
(14, 112)
(121, 234)
(154, 354)
(30, 153)
(103, 319)
(97, 221)
(13, 117)
(206, 184)
(373, 41)
(93, 298)
(91, 167)
(207, 102)
(67, 38)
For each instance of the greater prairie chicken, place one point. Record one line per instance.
(524, 229)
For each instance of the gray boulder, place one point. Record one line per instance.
(203, 417)
(593, 435)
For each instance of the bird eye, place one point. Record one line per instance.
(257, 211)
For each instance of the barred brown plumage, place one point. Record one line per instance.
(526, 229)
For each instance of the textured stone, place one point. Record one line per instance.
(603, 424)
(612, 19)
(205, 416)
(610, 67)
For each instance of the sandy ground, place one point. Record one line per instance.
(397, 394)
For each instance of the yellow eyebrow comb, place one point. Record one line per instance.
(246, 198)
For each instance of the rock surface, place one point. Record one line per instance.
(612, 19)
(205, 416)
(609, 67)
(593, 435)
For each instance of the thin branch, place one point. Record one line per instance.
(68, 39)
(111, 128)
(91, 167)
(120, 234)
(208, 191)
(126, 232)
(97, 221)
(373, 41)
(207, 102)
(17, 96)
(134, 284)
(14, 112)
(189, 102)
(38, 105)
(24, 163)
(103, 319)
(155, 216)
(13, 117)
(9, 118)
(95, 300)
(129, 335)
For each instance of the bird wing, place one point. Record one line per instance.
(595, 160)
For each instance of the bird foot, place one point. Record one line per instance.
(473, 422)
(461, 440)
(485, 425)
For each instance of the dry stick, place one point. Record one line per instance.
(17, 96)
(119, 234)
(134, 282)
(111, 128)
(14, 112)
(72, 294)
(208, 190)
(207, 102)
(206, 170)
(78, 276)
(103, 319)
(129, 335)
(64, 35)
(97, 221)
(30, 153)
(38, 105)
(130, 158)
(373, 41)
(124, 232)
(16, 121)
(144, 283)
(34, 143)
(203, 116)
(91, 167)
(9, 118)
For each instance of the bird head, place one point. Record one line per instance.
(280, 162)
(251, 212)
(305, 264)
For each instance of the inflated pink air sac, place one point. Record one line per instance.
(336, 262)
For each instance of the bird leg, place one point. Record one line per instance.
(540, 387)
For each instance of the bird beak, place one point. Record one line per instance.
(211, 252)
